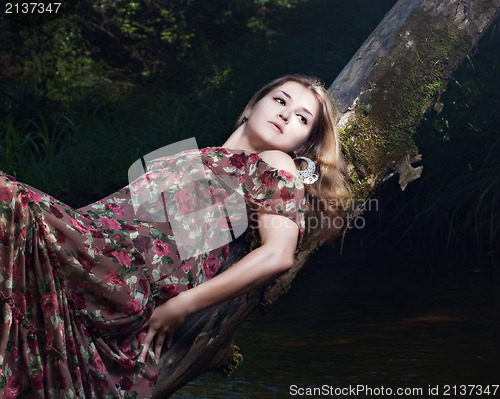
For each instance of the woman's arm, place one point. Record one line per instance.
(279, 240)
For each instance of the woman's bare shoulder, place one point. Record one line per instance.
(279, 160)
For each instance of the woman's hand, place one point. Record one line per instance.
(165, 319)
(279, 240)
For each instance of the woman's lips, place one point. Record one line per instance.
(277, 126)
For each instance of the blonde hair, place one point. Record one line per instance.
(329, 196)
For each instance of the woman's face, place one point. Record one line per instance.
(283, 118)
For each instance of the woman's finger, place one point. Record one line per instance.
(146, 343)
(158, 346)
(169, 340)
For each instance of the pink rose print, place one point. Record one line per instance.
(254, 158)
(17, 316)
(218, 194)
(108, 250)
(71, 346)
(117, 209)
(138, 261)
(35, 197)
(56, 212)
(128, 227)
(142, 243)
(38, 382)
(103, 384)
(126, 363)
(132, 307)
(85, 260)
(96, 233)
(125, 346)
(267, 178)
(184, 201)
(79, 226)
(152, 176)
(169, 290)
(223, 223)
(60, 236)
(111, 224)
(110, 308)
(161, 248)
(210, 266)
(286, 195)
(78, 375)
(98, 363)
(28, 196)
(5, 194)
(238, 160)
(49, 303)
(126, 383)
(12, 388)
(286, 174)
(144, 284)
(78, 300)
(122, 257)
(114, 278)
(153, 380)
(19, 301)
(24, 197)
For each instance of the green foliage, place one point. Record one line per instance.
(101, 117)
(95, 47)
(44, 60)
(35, 151)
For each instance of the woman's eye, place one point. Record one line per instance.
(280, 101)
(303, 119)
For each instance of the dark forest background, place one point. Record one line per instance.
(86, 91)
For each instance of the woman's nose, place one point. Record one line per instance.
(284, 116)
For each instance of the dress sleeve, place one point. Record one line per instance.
(275, 190)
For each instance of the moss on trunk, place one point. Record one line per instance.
(377, 135)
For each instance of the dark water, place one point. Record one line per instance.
(346, 323)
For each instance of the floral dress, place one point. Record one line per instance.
(77, 286)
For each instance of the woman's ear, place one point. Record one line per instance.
(249, 111)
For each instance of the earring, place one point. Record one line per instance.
(307, 175)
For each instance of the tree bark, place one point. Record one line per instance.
(382, 94)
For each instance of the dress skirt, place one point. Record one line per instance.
(78, 286)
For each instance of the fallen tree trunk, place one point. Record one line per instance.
(382, 94)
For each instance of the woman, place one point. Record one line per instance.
(90, 296)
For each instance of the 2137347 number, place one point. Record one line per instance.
(32, 8)
(470, 390)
